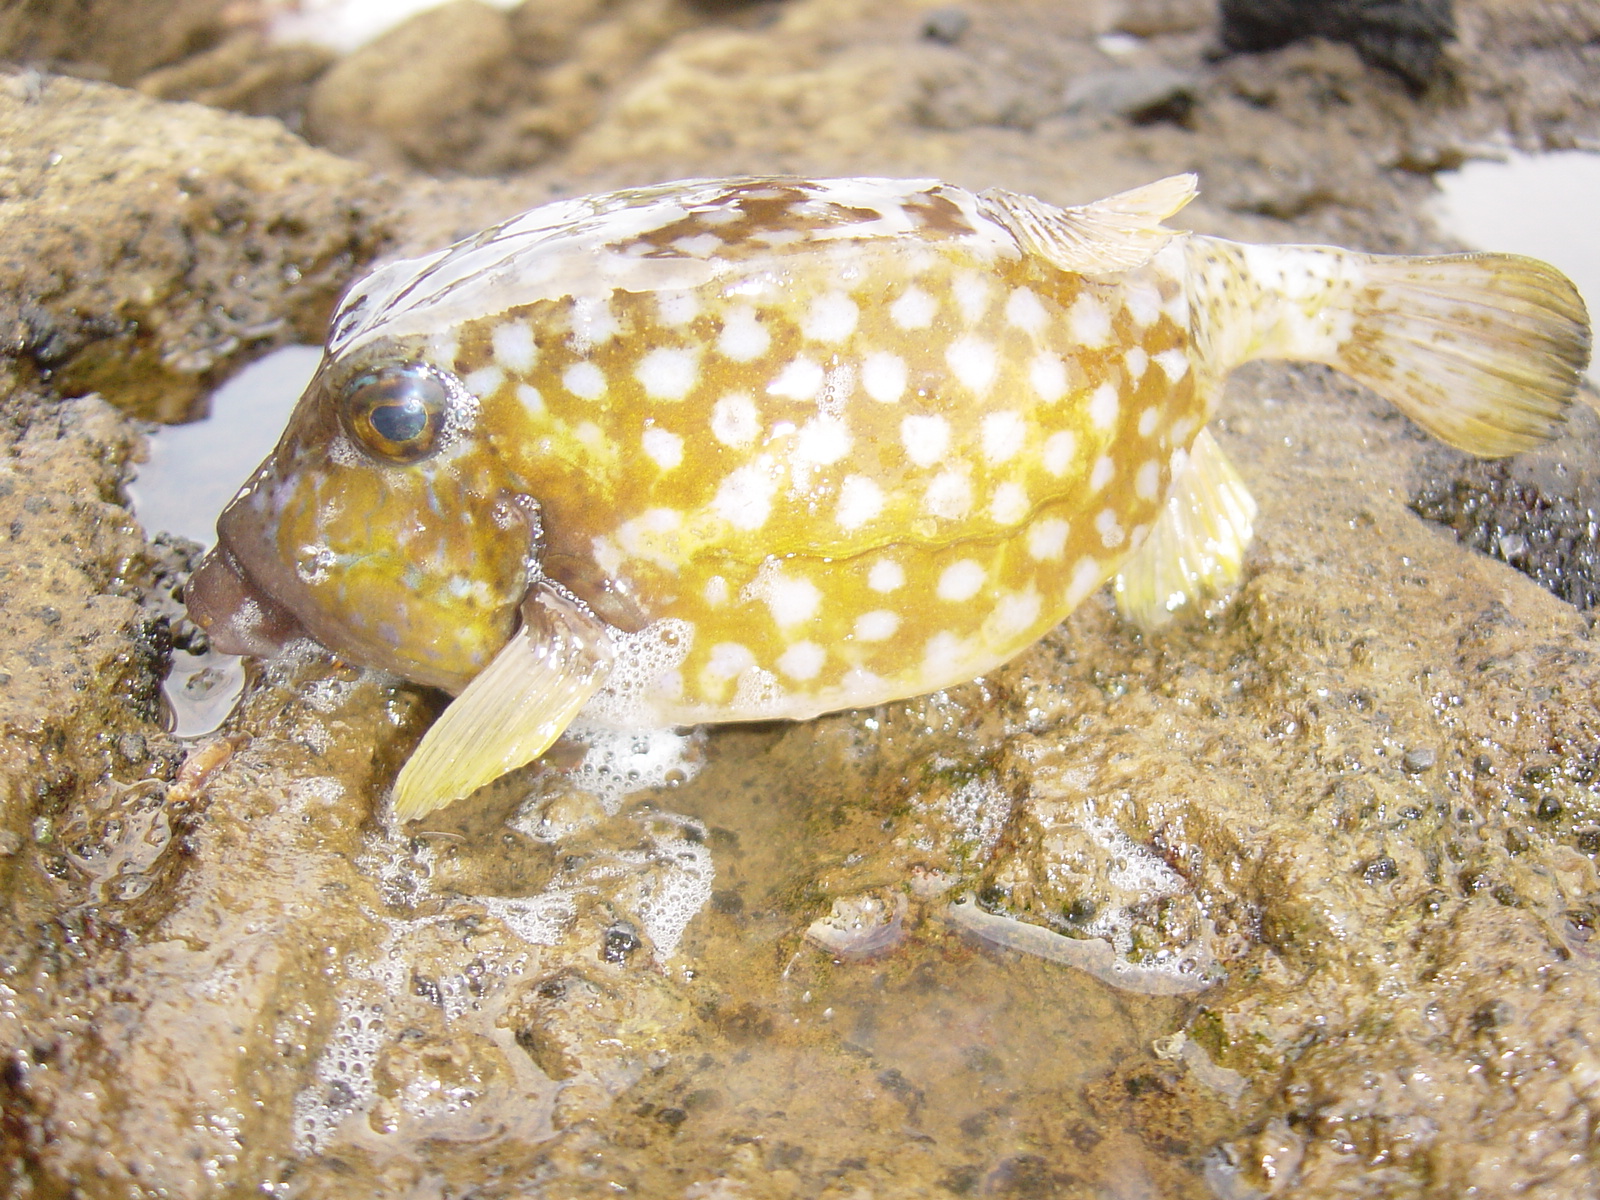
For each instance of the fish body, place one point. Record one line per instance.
(743, 449)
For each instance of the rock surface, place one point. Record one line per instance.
(1358, 805)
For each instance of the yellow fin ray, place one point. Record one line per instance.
(513, 709)
(1197, 545)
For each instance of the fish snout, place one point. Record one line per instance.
(237, 616)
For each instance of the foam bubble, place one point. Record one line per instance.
(679, 889)
(623, 761)
(344, 1076)
(641, 661)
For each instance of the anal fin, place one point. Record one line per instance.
(513, 709)
(1197, 545)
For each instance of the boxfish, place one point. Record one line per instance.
(759, 448)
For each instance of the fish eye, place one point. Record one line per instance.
(396, 413)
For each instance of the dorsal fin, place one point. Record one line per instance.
(1114, 234)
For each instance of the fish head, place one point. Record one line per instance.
(384, 526)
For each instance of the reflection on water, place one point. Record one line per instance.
(194, 470)
(1542, 205)
(191, 473)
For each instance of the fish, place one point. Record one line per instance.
(762, 448)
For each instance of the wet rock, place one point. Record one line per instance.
(1552, 536)
(542, 992)
(151, 247)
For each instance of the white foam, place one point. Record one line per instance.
(621, 762)
(641, 661)
(680, 889)
(344, 1076)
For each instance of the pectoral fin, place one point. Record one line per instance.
(1115, 234)
(513, 709)
(1198, 543)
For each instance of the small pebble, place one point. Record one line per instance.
(946, 25)
(1418, 759)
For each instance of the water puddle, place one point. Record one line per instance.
(194, 470)
(191, 474)
(1541, 205)
(345, 25)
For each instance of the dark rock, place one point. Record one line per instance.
(1403, 36)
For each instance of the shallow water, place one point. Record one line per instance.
(343, 25)
(194, 470)
(1541, 205)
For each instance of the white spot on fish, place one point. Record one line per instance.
(593, 322)
(1147, 480)
(666, 448)
(883, 375)
(1110, 528)
(513, 346)
(745, 498)
(1087, 575)
(699, 245)
(802, 661)
(792, 600)
(961, 580)
(973, 361)
(800, 380)
(1148, 419)
(1048, 375)
(1017, 611)
(831, 318)
(925, 439)
(1009, 504)
(484, 381)
(677, 308)
(1003, 435)
(877, 625)
(886, 576)
(1100, 475)
(1143, 302)
(1103, 406)
(585, 380)
(735, 421)
(728, 660)
(531, 399)
(1059, 451)
(949, 495)
(860, 500)
(668, 372)
(914, 309)
(716, 591)
(1136, 360)
(1047, 538)
(743, 336)
(822, 441)
(942, 655)
(1173, 363)
(1089, 322)
(971, 291)
(1024, 310)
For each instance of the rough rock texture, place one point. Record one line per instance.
(1358, 804)
(147, 249)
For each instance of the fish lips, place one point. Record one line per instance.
(238, 616)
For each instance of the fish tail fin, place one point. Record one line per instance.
(1484, 351)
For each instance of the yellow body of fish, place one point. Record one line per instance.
(743, 449)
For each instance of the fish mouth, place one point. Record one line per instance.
(238, 616)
